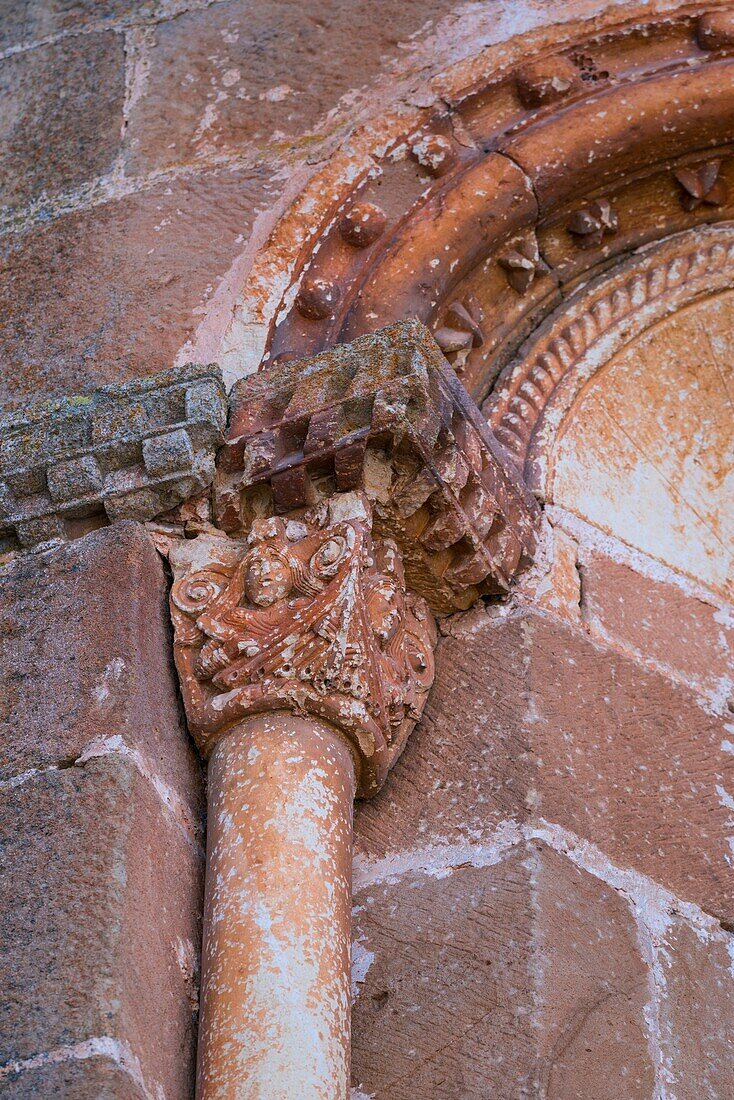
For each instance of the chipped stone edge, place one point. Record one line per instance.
(125, 451)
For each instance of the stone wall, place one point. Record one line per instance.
(543, 901)
(101, 829)
(144, 145)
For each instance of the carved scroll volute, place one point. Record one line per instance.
(309, 615)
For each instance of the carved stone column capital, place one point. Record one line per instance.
(387, 415)
(359, 493)
(309, 615)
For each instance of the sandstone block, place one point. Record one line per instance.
(518, 978)
(535, 720)
(658, 621)
(630, 761)
(468, 765)
(101, 898)
(28, 21)
(697, 1013)
(87, 666)
(73, 1080)
(112, 293)
(60, 116)
(445, 1008)
(241, 76)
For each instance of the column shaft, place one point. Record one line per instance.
(276, 959)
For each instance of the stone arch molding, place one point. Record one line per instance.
(537, 391)
(486, 211)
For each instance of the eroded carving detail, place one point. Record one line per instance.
(591, 224)
(386, 415)
(434, 152)
(546, 81)
(715, 30)
(652, 283)
(522, 263)
(316, 298)
(310, 615)
(701, 185)
(619, 110)
(126, 451)
(363, 224)
(460, 331)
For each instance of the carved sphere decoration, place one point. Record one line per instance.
(518, 146)
(435, 153)
(363, 224)
(715, 30)
(316, 298)
(546, 81)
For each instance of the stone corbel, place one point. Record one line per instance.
(388, 416)
(358, 494)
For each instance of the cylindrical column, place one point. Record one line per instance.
(276, 959)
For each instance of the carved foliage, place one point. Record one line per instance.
(312, 616)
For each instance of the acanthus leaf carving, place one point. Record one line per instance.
(310, 615)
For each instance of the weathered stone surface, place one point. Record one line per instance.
(130, 451)
(646, 453)
(112, 293)
(60, 115)
(101, 900)
(445, 1009)
(630, 761)
(521, 978)
(534, 720)
(307, 616)
(87, 664)
(559, 590)
(697, 1013)
(592, 987)
(26, 21)
(387, 415)
(660, 622)
(469, 765)
(73, 1080)
(241, 76)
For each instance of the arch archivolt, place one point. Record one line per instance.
(560, 197)
(484, 213)
(537, 391)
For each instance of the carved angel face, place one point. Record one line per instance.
(268, 577)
